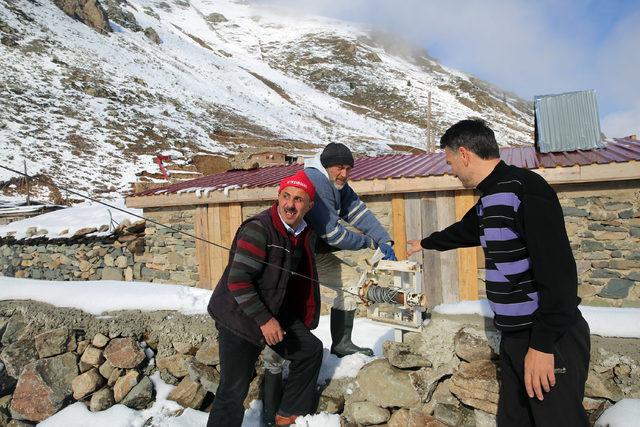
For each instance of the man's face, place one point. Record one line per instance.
(460, 167)
(293, 205)
(339, 175)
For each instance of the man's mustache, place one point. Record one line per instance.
(291, 210)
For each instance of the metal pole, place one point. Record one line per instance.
(26, 180)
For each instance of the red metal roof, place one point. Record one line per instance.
(408, 166)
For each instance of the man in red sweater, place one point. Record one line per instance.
(269, 295)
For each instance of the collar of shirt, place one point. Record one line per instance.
(493, 177)
(295, 231)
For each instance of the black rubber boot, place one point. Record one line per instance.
(341, 327)
(271, 396)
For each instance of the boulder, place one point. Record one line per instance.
(470, 347)
(43, 387)
(7, 383)
(175, 365)
(184, 347)
(99, 340)
(366, 413)
(101, 400)
(602, 385)
(402, 355)
(13, 330)
(188, 393)
(113, 377)
(106, 369)
(140, 396)
(451, 415)
(387, 386)
(476, 385)
(404, 417)
(209, 353)
(425, 380)
(124, 384)
(206, 375)
(54, 342)
(92, 356)
(17, 355)
(124, 353)
(87, 383)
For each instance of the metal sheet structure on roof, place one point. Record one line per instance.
(567, 122)
(407, 166)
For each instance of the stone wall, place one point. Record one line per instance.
(79, 258)
(52, 357)
(603, 224)
(169, 256)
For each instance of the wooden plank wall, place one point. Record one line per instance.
(467, 257)
(217, 223)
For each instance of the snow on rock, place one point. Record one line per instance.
(625, 413)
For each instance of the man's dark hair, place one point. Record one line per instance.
(474, 135)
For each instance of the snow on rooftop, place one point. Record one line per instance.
(87, 214)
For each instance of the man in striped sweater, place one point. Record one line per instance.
(336, 206)
(269, 294)
(531, 280)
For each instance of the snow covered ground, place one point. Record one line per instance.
(97, 297)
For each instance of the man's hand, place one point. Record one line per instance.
(272, 331)
(414, 247)
(538, 373)
(388, 252)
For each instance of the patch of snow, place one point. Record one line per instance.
(624, 413)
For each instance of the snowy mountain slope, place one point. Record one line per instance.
(90, 110)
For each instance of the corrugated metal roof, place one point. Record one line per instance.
(567, 122)
(408, 166)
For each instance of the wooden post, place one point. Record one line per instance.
(467, 257)
(398, 225)
(202, 248)
(445, 205)
(218, 255)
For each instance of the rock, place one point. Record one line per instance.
(209, 353)
(115, 374)
(92, 356)
(82, 346)
(57, 341)
(425, 380)
(184, 348)
(366, 413)
(112, 273)
(599, 386)
(140, 396)
(152, 35)
(87, 383)
(100, 340)
(402, 355)
(451, 415)
(124, 353)
(43, 387)
(85, 230)
(17, 355)
(476, 385)
(484, 419)
(470, 347)
(412, 418)
(12, 330)
(442, 394)
(206, 375)
(387, 386)
(255, 390)
(215, 18)
(101, 400)
(106, 369)
(124, 384)
(175, 364)
(616, 288)
(7, 383)
(188, 393)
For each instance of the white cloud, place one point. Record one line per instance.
(532, 48)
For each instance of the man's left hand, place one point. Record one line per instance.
(538, 373)
(388, 252)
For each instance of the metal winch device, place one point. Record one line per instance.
(393, 294)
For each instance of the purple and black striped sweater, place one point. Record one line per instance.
(531, 278)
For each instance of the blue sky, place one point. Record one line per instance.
(528, 47)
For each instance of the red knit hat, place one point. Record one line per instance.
(300, 180)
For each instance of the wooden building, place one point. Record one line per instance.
(416, 195)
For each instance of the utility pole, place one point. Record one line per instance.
(429, 142)
(26, 180)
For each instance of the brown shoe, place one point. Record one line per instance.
(286, 421)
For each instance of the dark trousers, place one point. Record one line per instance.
(237, 367)
(562, 406)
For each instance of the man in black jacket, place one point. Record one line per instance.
(531, 280)
(259, 301)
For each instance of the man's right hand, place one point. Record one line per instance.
(414, 247)
(272, 331)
